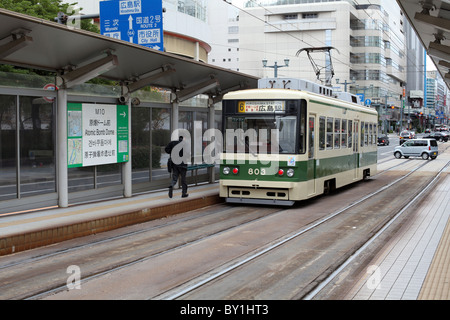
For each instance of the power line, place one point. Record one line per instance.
(349, 65)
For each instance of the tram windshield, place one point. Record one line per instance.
(259, 134)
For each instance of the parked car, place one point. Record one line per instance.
(383, 140)
(439, 136)
(425, 148)
(405, 135)
(428, 130)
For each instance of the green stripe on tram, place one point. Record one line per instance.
(303, 170)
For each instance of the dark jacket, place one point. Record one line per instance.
(169, 149)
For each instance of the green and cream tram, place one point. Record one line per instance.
(285, 145)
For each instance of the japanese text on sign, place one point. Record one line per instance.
(135, 21)
(261, 106)
(130, 7)
(97, 134)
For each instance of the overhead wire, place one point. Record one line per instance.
(305, 42)
(279, 29)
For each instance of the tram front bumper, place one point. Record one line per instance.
(256, 192)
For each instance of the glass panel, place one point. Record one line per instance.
(247, 140)
(322, 133)
(362, 134)
(329, 133)
(337, 133)
(81, 178)
(344, 133)
(366, 134)
(160, 138)
(140, 142)
(109, 175)
(311, 138)
(37, 147)
(200, 125)
(350, 133)
(8, 167)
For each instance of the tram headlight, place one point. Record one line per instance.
(226, 170)
(290, 173)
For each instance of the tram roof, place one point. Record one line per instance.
(45, 45)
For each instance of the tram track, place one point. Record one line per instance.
(308, 293)
(229, 267)
(185, 228)
(51, 289)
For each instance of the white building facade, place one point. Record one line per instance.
(370, 56)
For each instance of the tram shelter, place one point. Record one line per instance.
(76, 56)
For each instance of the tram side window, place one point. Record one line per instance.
(311, 138)
(366, 134)
(344, 133)
(370, 134)
(361, 138)
(322, 133)
(337, 133)
(329, 133)
(374, 132)
(302, 138)
(350, 133)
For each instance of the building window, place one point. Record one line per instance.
(233, 30)
(310, 15)
(290, 16)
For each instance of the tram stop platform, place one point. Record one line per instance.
(415, 263)
(19, 232)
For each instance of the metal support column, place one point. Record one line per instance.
(211, 121)
(175, 115)
(61, 144)
(127, 166)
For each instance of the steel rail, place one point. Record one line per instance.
(330, 278)
(175, 295)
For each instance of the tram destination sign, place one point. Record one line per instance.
(97, 134)
(135, 21)
(265, 106)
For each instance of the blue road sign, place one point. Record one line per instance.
(368, 102)
(361, 97)
(135, 21)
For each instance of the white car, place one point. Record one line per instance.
(425, 148)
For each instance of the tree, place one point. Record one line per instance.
(44, 9)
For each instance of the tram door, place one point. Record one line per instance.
(356, 148)
(311, 184)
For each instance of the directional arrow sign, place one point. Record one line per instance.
(137, 21)
(130, 28)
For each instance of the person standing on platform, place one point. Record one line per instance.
(178, 165)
